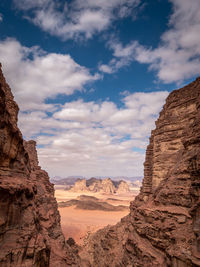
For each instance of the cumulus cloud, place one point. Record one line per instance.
(91, 138)
(95, 138)
(123, 56)
(77, 18)
(36, 75)
(178, 55)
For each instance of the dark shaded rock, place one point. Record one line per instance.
(30, 232)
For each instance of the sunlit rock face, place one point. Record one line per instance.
(80, 186)
(177, 116)
(123, 188)
(163, 227)
(105, 186)
(30, 232)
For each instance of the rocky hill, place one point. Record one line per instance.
(163, 227)
(106, 186)
(30, 232)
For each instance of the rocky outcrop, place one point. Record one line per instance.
(105, 186)
(123, 188)
(80, 186)
(30, 232)
(13, 157)
(163, 227)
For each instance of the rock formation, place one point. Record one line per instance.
(163, 227)
(30, 232)
(105, 186)
(123, 188)
(80, 186)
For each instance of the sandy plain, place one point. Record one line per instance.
(78, 224)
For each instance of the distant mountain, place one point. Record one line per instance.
(65, 181)
(106, 186)
(70, 180)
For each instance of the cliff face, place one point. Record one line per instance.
(30, 232)
(13, 157)
(163, 227)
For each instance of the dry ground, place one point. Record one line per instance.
(78, 224)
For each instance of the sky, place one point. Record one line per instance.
(90, 77)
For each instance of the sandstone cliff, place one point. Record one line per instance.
(163, 227)
(30, 232)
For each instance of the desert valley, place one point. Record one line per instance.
(86, 209)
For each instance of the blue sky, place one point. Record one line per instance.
(90, 77)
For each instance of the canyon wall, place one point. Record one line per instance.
(30, 232)
(163, 227)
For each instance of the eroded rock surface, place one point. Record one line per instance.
(30, 232)
(163, 227)
(105, 186)
(123, 188)
(80, 186)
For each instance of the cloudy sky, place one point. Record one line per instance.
(90, 77)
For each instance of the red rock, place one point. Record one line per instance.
(30, 232)
(163, 227)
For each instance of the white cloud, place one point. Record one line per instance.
(123, 56)
(178, 55)
(87, 138)
(90, 138)
(35, 75)
(78, 18)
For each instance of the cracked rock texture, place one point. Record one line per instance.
(163, 227)
(30, 232)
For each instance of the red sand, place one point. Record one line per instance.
(78, 223)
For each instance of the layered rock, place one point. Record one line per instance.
(163, 227)
(30, 232)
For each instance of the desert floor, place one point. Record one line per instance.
(78, 224)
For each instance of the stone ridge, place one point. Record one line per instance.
(163, 227)
(30, 232)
